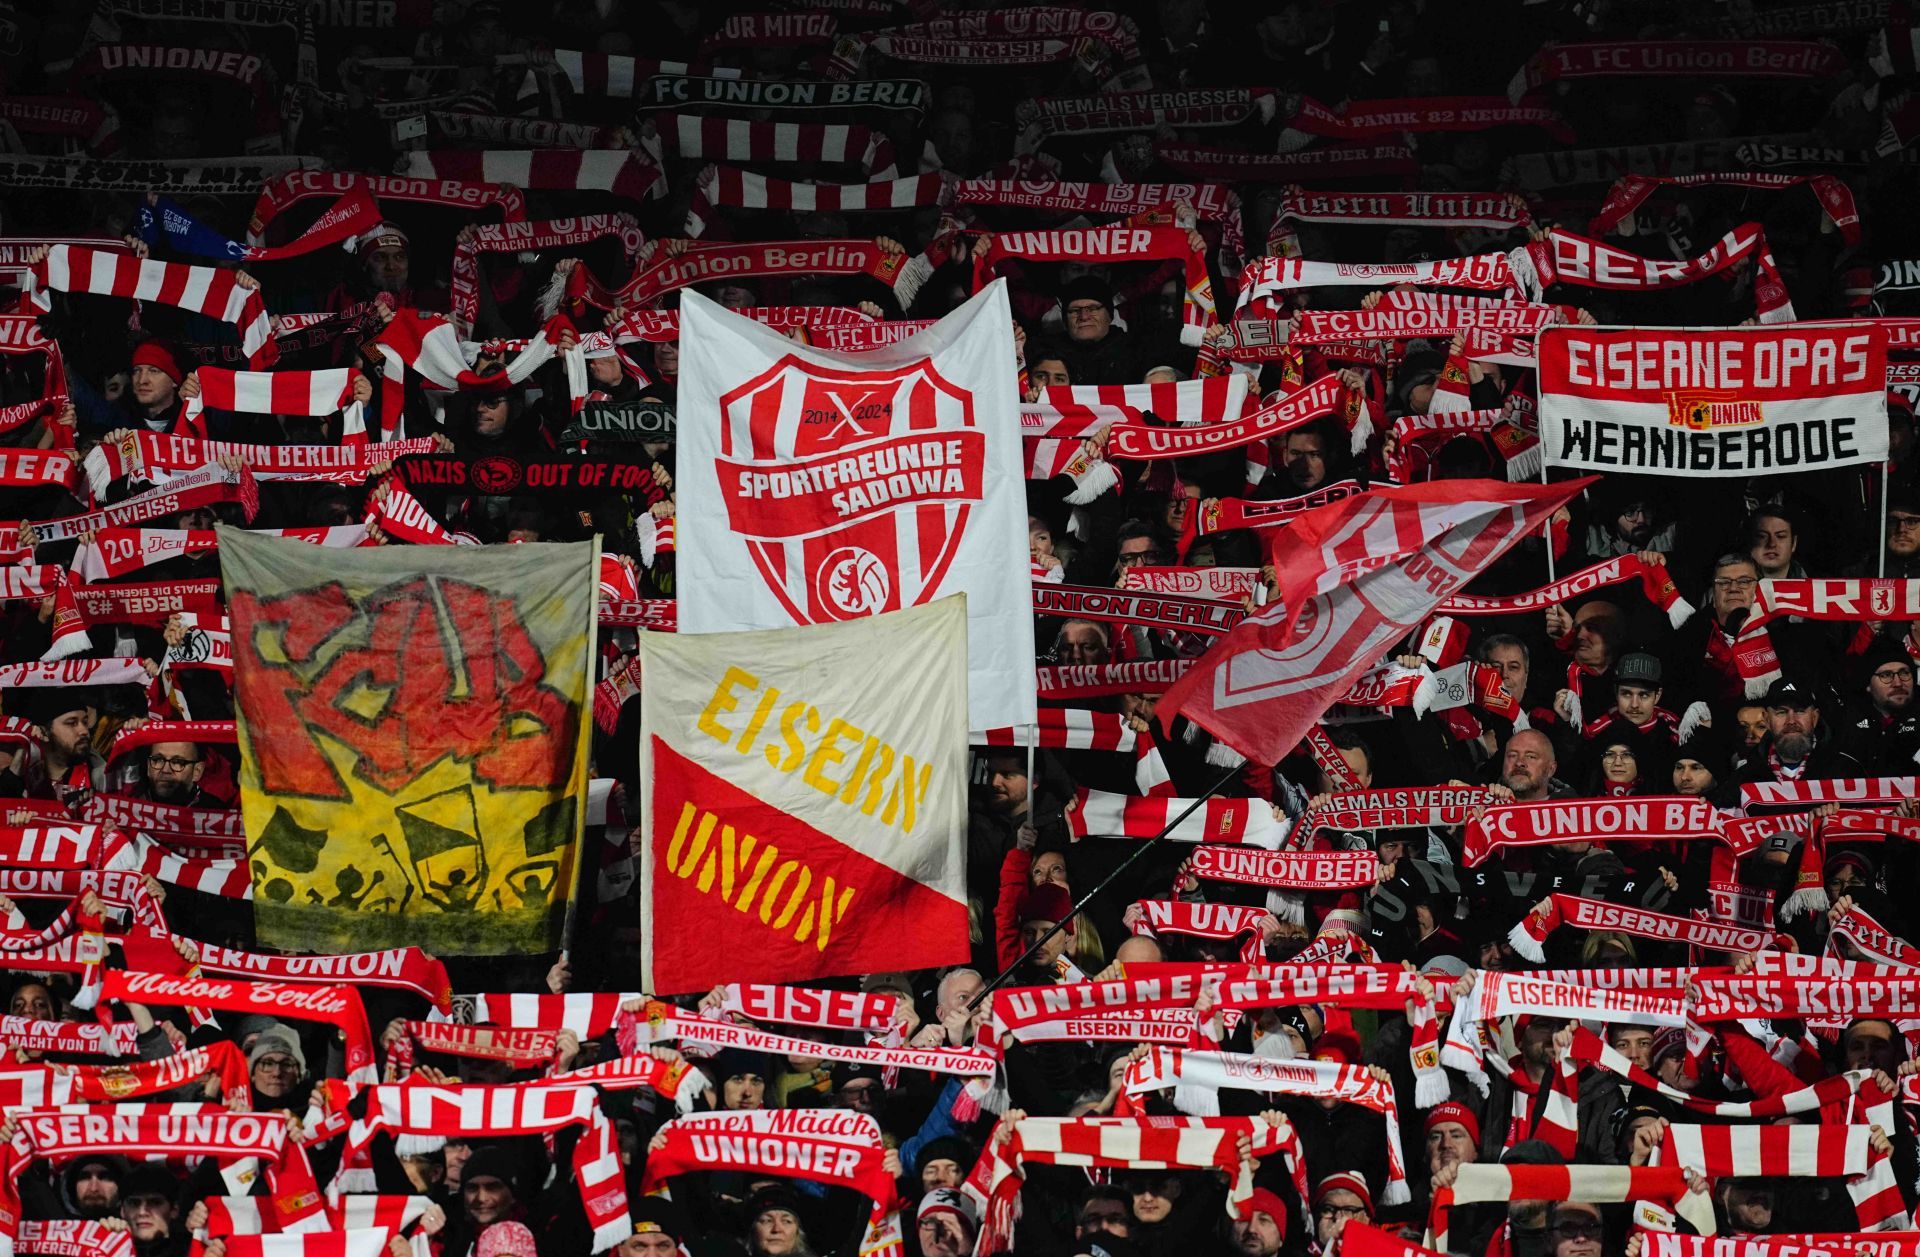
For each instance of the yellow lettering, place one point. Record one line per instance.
(679, 842)
(768, 854)
(828, 752)
(876, 780)
(794, 899)
(790, 733)
(723, 700)
(829, 912)
(700, 839)
(851, 790)
(907, 793)
(760, 714)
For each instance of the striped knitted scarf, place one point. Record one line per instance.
(1527, 937)
(1067, 729)
(1565, 257)
(205, 290)
(30, 1034)
(522, 1109)
(337, 1005)
(72, 1237)
(1217, 921)
(1590, 1049)
(1478, 1183)
(727, 187)
(301, 185)
(1099, 813)
(626, 173)
(1141, 1143)
(819, 1145)
(255, 1215)
(587, 1014)
(1113, 244)
(1197, 1078)
(1799, 1151)
(809, 144)
(557, 233)
(310, 393)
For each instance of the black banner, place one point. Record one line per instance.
(647, 419)
(502, 475)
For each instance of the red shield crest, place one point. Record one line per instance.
(852, 489)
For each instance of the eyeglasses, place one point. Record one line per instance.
(1138, 558)
(1586, 1230)
(278, 1064)
(1085, 309)
(1724, 583)
(1900, 523)
(135, 1204)
(1341, 1211)
(1887, 676)
(168, 764)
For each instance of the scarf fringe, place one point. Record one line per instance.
(1696, 714)
(1089, 484)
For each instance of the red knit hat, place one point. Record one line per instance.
(1048, 901)
(158, 355)
(1264, 1201)
(1456, 1112)
(1348, 1181)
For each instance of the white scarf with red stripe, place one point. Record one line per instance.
(1799, 1151)
(741, 140)
(1142, 1143)
(819, 1145)
(1565, 257)
(1199, 1077)
(159, 455)
(206, 290)
(399, 514)
(725, 187)
(587, 1014)
(278, 393)
(337, 1005)
(430, 346)
(1098, 813)
(1204, 920)
(255, 1215)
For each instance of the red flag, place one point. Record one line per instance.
(1354, 577)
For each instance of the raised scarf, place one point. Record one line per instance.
(216, 831)
(1266, 278)
(623, 172)
(1144, 111)
(337, 1005)
(399, 514)
(1629, 192)
(1831, 1244)
(1074, 682)
(110, 1084)
(663, 1022)
(1590, 1049)
(1796, 1151)
(726, 89)
(1208, 202)
(116, 552)
(1880, 945)
(1678, 58)
(1403, 807)
(1197, 582)
(1226, 514)
(1656, 582)
(246, 71)
(278, 393)
(72, 1237)
(300, 185)
(1564, 257)
(1597, 914)
(194, 489)
(819, 1145)
(1112, 244)
(32, 469)
(1446, 314)
(76, 1037)
(587, 1014)
(1486, 1183)
(463, 290)
(1492, 210)
(1339, 161)
(158, 455)
(1141, 1143)
(357, 1242)
(1654, 818)
(1395, 116)
(1217, 399)
(396, 969)
(1219, 921)
(1286, 870)
(1100, 814)
(488, 1112)
(202, 289)
(1034, 35)
(430, 346)
(676, 1080)
(72, 672)
(521, 1049)
(806, 143)
(78, 607)
(1845, 791)
(1067, 729)
(1209, 616)
(1812, 987)
(1835, 599)
(704, 262)
(352, 216)
(728, 187)
(1293, 410)
(1202, 1075)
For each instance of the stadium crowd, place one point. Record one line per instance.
(137, 129)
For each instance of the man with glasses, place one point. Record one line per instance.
(1105, 1211)
(1711, 652)
(1576, 1229)
(174, 770)
(1337, 1200)
(1096, 352)
(1884, 732)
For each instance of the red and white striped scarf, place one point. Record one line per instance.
(227, 878)
(205, 290)
(1486, 1183)
(1141, 1143)
(612, 75)
(301, 185)
(396, 969)
(1831, 1244)
(398, 514)
(1565, 257)
(1629, 192)
(255, 1215)
(1204, 920)
(805, 143)
(703, 262)
(1283, 414)
(1590, 1049)
(587, 1014)
(1201, 1076)
(363, 1242)
(1101, 814)
(1067, 729)
(1797, 1151)
(160, 456)
(1144, 203)
(110, 1084)
(1216, 399)
(278, 393)
(430, 346)
(1879, 944)
(521, 1109)
(728, 187)
(1653, 818)
(1678, 58)
(675, 1080)
(624, 172)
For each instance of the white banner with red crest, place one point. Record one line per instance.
(820, 487)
